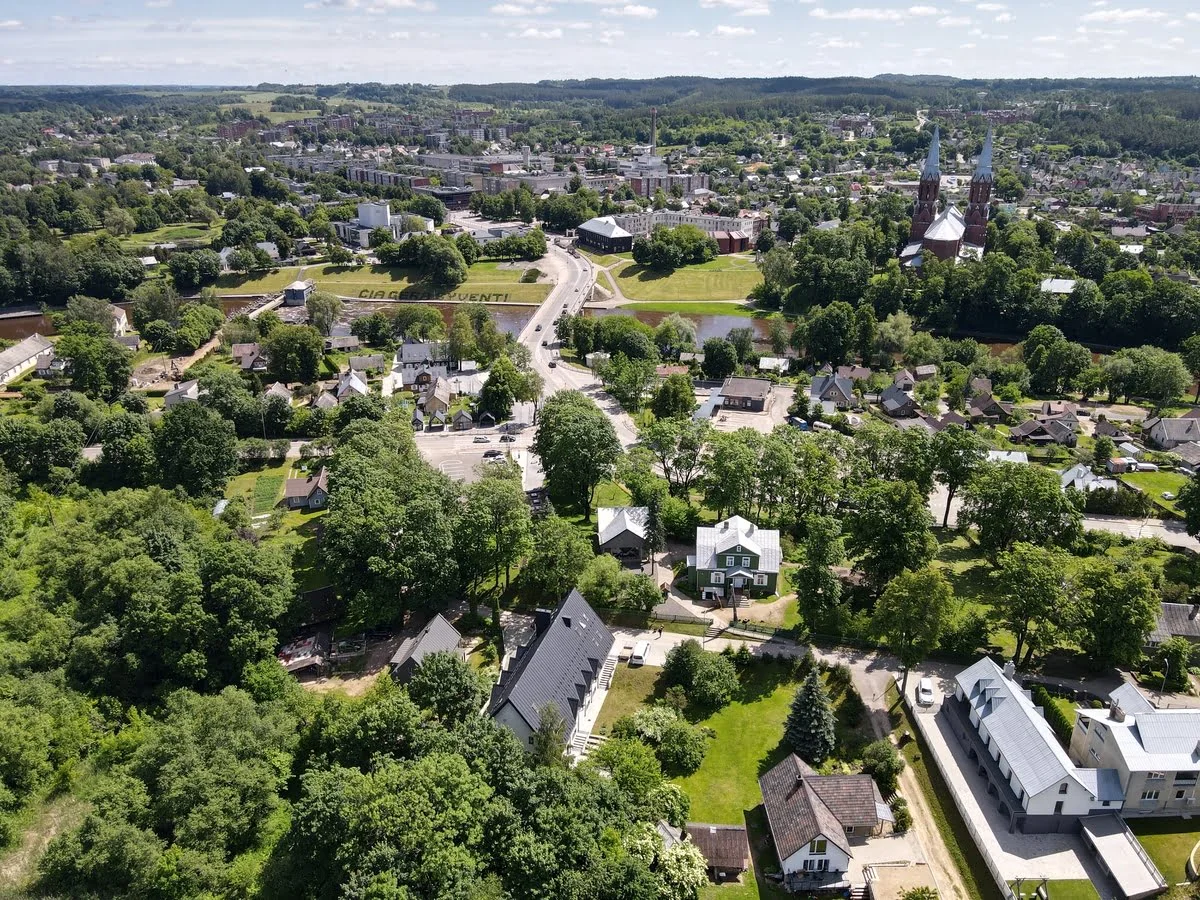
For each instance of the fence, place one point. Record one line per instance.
(637, 617)
(917, 717)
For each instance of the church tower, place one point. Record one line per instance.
(981, 195)
(927, 193)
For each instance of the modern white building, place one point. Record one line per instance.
(378, 214)
(645, 222)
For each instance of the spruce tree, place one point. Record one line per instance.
(810, 724)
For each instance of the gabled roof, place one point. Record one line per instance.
(1182, 429)
(305, 487)
(733, 532)
(278, 389)
(723, 846)
(1017, 727)
(20, 353)
(753, 388)
(438, 635)
(604, 226)
(558, 667)
(832, 387)
(325, 400)
(949, 226)
(613, 520)
(1130, 699)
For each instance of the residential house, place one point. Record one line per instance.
(341, 342)
(120, 324)
(373, 363)
(436, 397)
(22, 357)
(905, 380)
(51, 365)
(1167, 434)
(462, 421)
(1061, 410)
(621, 530)
(1042, 432)
(307, 493)
(979, 385)
(896, 403)
(1105, 428)
(249, 357)
(1082, 478)
(325, 400)
(1189, 455)
(814, 819)
(184, 392)
(438, 636)
(1007, 736)
(854, 373)
(278, 389)
(351, 383)
(734, 557)
(1176, 620)
(724, 847)
(833, 392)
(1154, 752)
(984, 407)
(559, 669)
(745, 393)
(925, 372)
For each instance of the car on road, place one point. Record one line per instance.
(545, 343)
(506, 439)
(491, 454)
(480, 439)
(539, 328)
(553, 364)
(640, 651)
(925, 692)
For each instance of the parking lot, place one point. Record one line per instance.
(459, 454)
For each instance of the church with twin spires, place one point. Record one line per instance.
(949, 234)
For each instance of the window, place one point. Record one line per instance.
(1185, 777)
(1081, 723)
(746, 561)
(729, 561)
(1094, 754)
(1179, 795)
(1149, 795)
(718, 577)
(1062, 788)
(1155, 776)
(816, 865)
(849, 829)
(818, 846)
(1099, 732)
(760, 579)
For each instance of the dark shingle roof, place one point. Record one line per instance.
(558, 667)
(795, 811)
(723, 846)
(1178, 620)
(752, 388)
(435, 637)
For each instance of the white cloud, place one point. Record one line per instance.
(607, 37)
(10, 24)
(1140, 14)
(732, 31)
(923, 10)
(968, 46)
(373, 6)
(690, 33)
(1193, 16)
(158, 4)
(1003, 17)
(858, 13)
(579, 26)
(1045, 39)
(512, 9)
(740, 7)
(397, 35)
(550, 34)
(991, 7)
(631, 10)
(953, 21)
(840, 44)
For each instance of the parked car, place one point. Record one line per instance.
(1167, 495)
(490, 454)
(925, 692)
(507, 438)
(640, 651)
(553, 364)
(545, 343)
(539, 328)
(480, 439)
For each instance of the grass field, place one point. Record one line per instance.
(725, 278)
(1077, 889)
(606, 259)
(632, 686)
(184, 231)
(968, 573)
(1154, 483)
(696, 308)
(260, 488)
(1168, 842)
(485, 281)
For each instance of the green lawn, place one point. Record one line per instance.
(968, 572)
(268, 490)
(1078, 889)
(261, 488)
(258, 283)
(183, 231)
(632, 686)
(1153, 484)
(1168, 842)
(724, 278)
(696, 308)
(606, 259)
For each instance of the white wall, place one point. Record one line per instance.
(512, 720)
(839, 861)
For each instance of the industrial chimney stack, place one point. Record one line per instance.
(653, 129)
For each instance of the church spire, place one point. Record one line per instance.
(933, 162)
(983, 169)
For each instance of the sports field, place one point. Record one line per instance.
(725, 278)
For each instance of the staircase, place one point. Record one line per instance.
(606, 672)
(714, 630)
(858, 892)
(584, 743)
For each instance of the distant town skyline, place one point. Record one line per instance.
(448, 41)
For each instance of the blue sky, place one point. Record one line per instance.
(445, 41)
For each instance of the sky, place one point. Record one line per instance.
(243, 42)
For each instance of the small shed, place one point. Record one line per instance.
(436, 637)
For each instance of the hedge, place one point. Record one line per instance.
(1056, 717)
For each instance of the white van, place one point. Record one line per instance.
(640, 651)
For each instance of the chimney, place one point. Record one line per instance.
(1115, 712)
(542, 619)
(653, 129)
(1010, 670)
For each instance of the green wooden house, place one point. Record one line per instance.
(734, 558)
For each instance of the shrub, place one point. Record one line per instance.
(839, 678)
(1054, 716)
(853, 709)
(901, 816)
(715, 682)
(675, 698)
(967, 635)
(884, 764)
(682, 748)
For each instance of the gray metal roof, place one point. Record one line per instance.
(558, 667)
(438, 635)
(734, 532)
(949, 226)
(613, 520)
(933, 162)
(1017, 726)
(983, 169)
(1130, 699)
(20, 353)
(605, 226)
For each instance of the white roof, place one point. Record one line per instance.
(738, 532)
(949, 226)
(613, 520)
(605, 226)
(1017, 726)
(1012, 456)
(1058, 285)
(772, 364)
(1082, 478)
(1161, 740)
(19, 354)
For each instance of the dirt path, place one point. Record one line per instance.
(19, 865)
